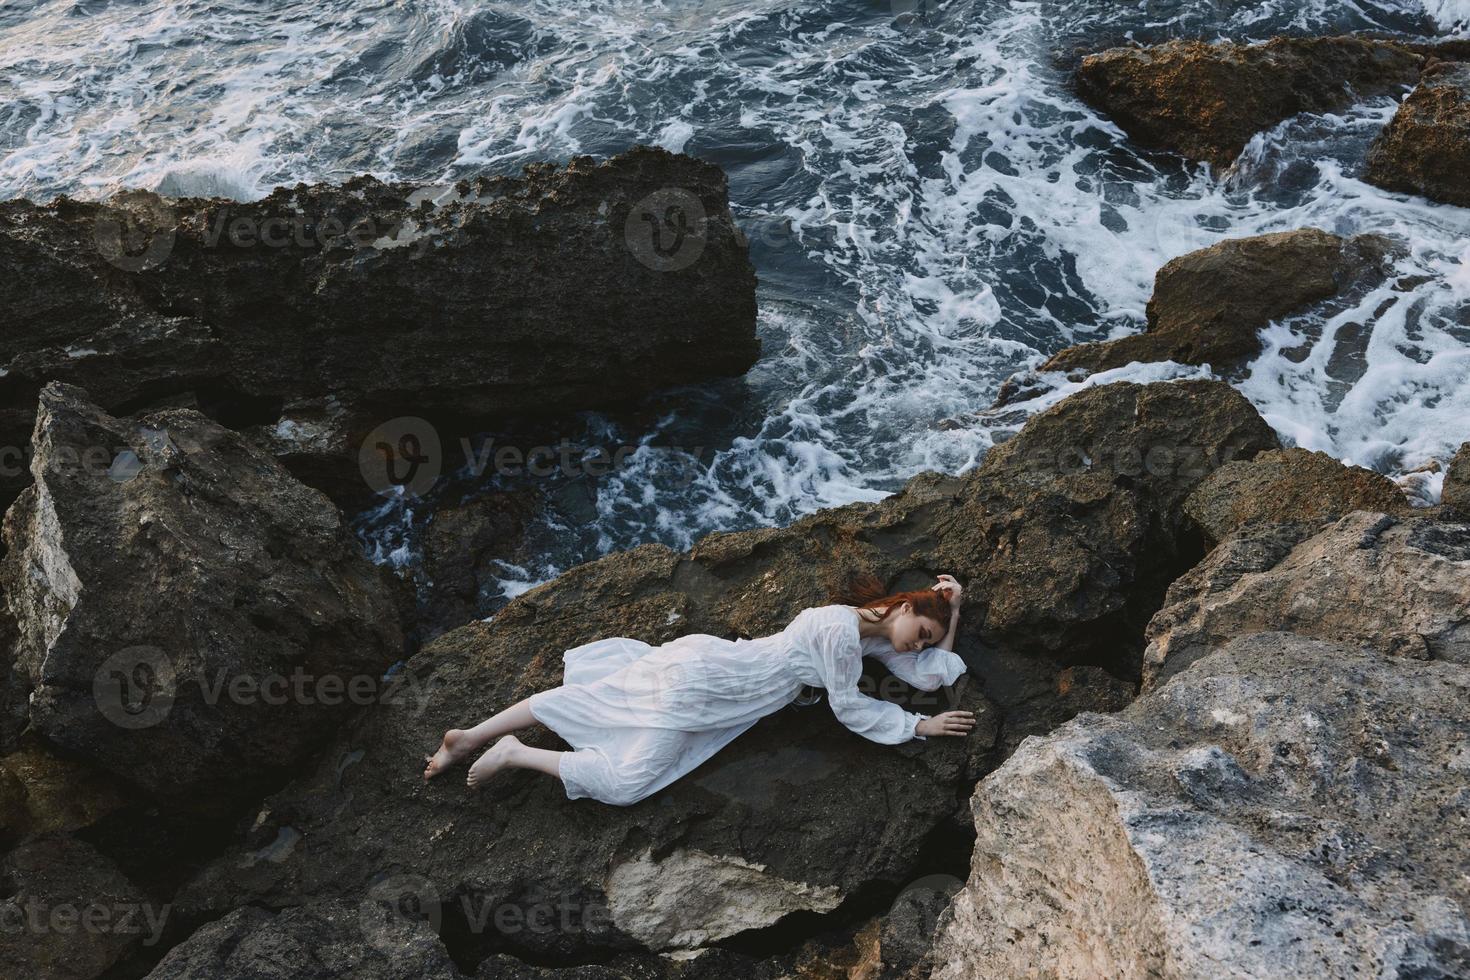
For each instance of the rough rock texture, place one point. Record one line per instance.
(1399, 586)
(1052, 551)
(190, 616)
(460, 546)
(1074, 527)
(68, 912)
(1455, 495)
(41, 792)
(1425, 148)
(1207, 100)
(1285, 808)
(326, 941)
(568, 288)
(1289, 486)
(1209, 306)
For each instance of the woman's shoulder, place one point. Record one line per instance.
(829, 617)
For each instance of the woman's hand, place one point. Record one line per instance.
(948, 723)
(952, 588)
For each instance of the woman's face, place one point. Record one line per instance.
(911, 633)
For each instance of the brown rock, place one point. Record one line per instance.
(1207, 100)
(1209, 306)
(41, 792)
(1425, 148)
(1288, 486)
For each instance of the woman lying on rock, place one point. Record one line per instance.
(641, 716)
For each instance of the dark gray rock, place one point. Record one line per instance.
(69, 913)
(323, 941)
(1284, 807)
(571, 288)
(1059, 557)
(190, 616)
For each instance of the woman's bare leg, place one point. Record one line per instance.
(510, 752)
(461, 742)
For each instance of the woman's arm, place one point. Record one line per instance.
(956, 593)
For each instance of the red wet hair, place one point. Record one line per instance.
(866, 591)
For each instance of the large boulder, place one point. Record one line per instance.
(1425, 148)
(1285, 808)
(576, 287)
(325, 941)
(191, 618)
(1401, 586)
(1289, 486)
(1209, 306)
(1054, 535)
(69, 913)
(1206, 101)
(1074, 528)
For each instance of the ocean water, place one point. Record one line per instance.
(930, 209)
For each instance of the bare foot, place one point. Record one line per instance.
(451, 750)
(495, 759)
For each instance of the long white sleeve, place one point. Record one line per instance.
(928, 670)
(839, 662)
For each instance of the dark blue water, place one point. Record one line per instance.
(929, 207)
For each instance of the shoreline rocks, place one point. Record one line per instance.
(1400, 585)
(776, 818)
(1206, 101)
(1284, 807)
(1209, 305)
(1289, 486)
(1425, 148)
(579, 287)
(184, 605)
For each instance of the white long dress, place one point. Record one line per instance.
(640, 716)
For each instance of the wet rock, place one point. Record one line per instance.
(775, 827)
(1075, 527)
(1455, 494)
(1398, 586)
(1206, 101)
(1289, 486)
(1425, 148)
(189, 616)
(41, 793)
(69, 913)
(570, 288)
(323, 941)
(1209, 306)
(1285, 807)
(461, 546)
